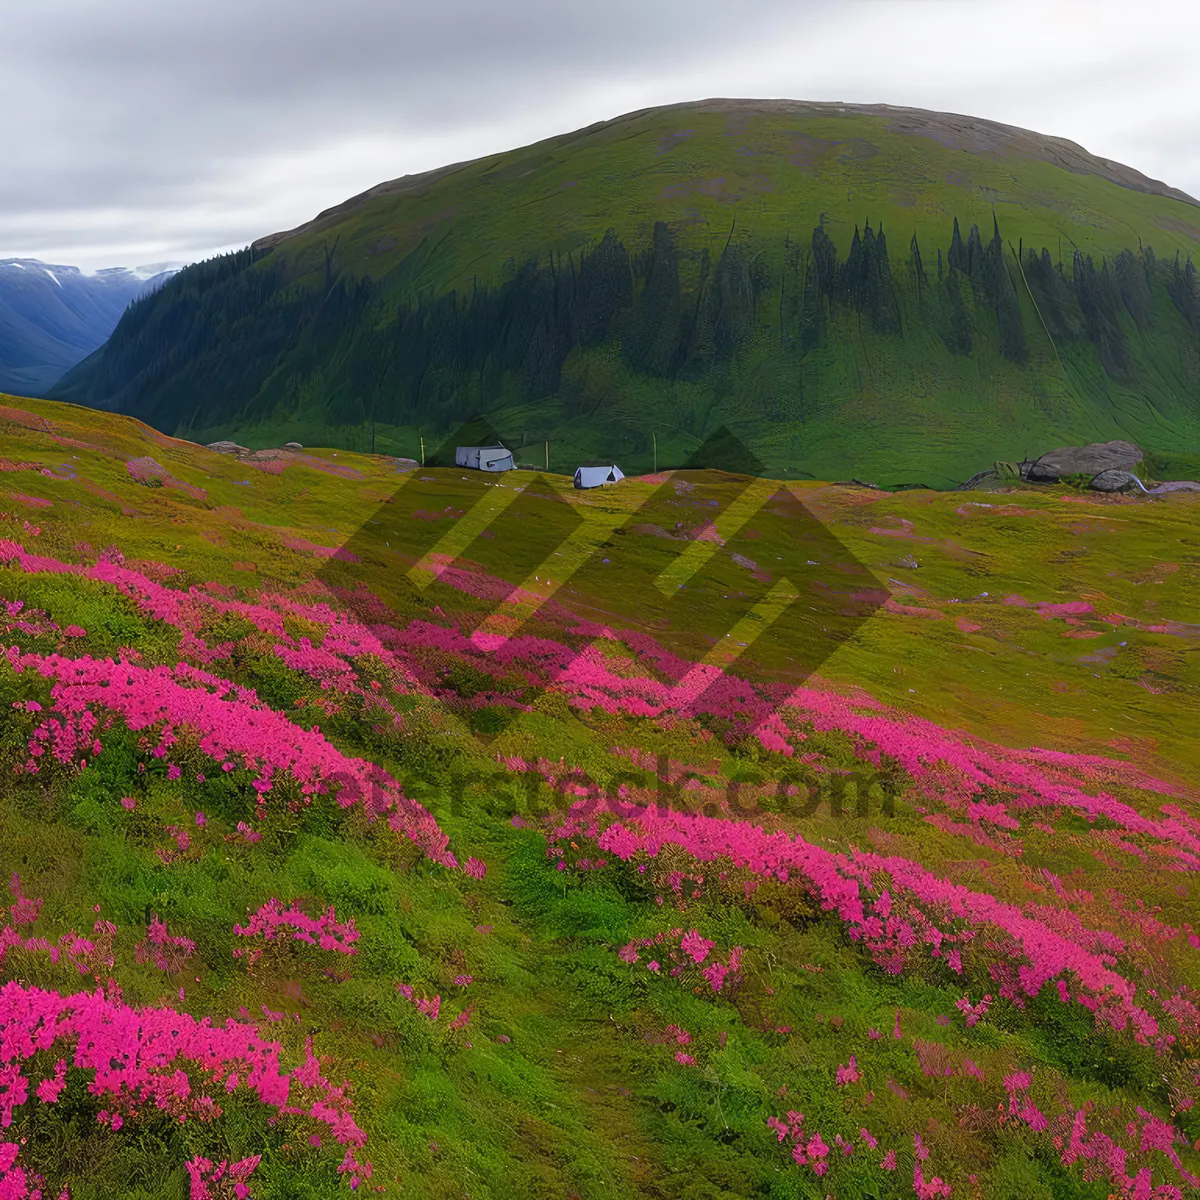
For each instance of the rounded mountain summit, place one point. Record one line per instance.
(840, 289)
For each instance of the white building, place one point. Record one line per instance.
(484, 458)
(590, 477)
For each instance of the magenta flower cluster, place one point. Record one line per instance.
(939, 915)
(681, 952)
(147, 1059)
(272, 921)
(167, 951)
(147, 471)
(234, 726)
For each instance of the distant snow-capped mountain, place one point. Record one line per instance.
(53, 316)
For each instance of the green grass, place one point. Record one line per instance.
(563, 1089)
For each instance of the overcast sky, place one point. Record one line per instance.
(137, 131)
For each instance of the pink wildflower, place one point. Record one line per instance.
(848, 1074)
(695, 946)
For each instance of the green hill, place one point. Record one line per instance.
(849, 290)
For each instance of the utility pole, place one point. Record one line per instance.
(547, 455)
(422, 452)
(655, 437)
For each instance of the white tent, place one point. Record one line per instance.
(590, 477)
(484, 458)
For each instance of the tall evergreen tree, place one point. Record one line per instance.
(825, 261)
(850, 284)
(652, 342)
(1184, 292)
(974, 253)
(1054, 296)
(734, 293)
(604, 289)
(879, 288)
(1002, 296)
(956, 329)
(956, 260)
(1097, 296)
(916, 267)
(1133, 283)
(812, 314)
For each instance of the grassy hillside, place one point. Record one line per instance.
(886, 293)
(402, 831)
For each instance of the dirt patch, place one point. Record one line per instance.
(808, 152)
(668, 143)
(856, 150)
(443, 214)
(719, 188)
(1178, 225)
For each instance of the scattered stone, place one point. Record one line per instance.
(292, 446)
(908, 563)
(858, 483)
(1114, 481)
(1093, 459)
(977, 480)
(1178, 485)
(227, 448)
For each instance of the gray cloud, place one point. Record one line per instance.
(137, 130)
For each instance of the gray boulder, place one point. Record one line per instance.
(1178, 485)
(227, 448)
(1085, 460)
(1115, 481)
(292, 446)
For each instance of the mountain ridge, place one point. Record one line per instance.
(646, 280)
(1071, 152)
(52, 315)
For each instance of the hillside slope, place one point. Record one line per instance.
(386, 832)
(848, 289)
(53, 316)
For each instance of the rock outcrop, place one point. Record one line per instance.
(1116, 481)
(1085, 460)
(1178, 485)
